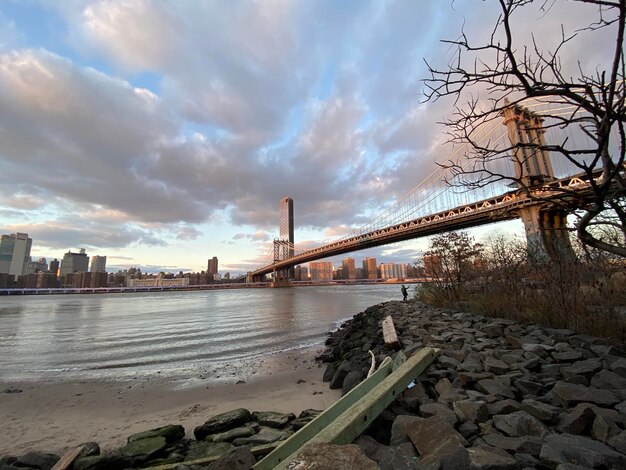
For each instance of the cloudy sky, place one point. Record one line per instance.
(162, 133)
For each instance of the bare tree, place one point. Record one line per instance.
(511, 73)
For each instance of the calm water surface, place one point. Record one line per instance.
(117, 336)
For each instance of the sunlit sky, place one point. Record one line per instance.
(162, 133)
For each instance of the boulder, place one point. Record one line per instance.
(273, 419)
(522, 445)
(351, 380)
(619, 367)
(567, 448)
(540, 410)
(439, 445)
(604, 428)
(519, 424)
(340, 374)
(567, 356)
(329, 372)
(397, 457)
(322, 456)
(171, 433)
(494, 387)
(143, 450)
(399, 428)
(471, 410)
(231, 434)
(438, 409)
(240, 458)
(304, 418)
(605, 379)
(203, 449)
(568, 395)
(585, 368)
(412, 397)
(503, 407)
(528, 387)
(495, 366)
(111, 461)
(38, 460)
(577, 420)
(264, 436)
(222, 422)
(618, 442)
(491, 459)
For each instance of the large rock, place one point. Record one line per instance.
(494, 387)
(232, 434)
(237, 459)
(304, 418)
(619, 442)
(585, 368)
(503, 407)
(264, 436)
(399, 428)
(565, 394)
(491, 459)
(39, 460)
(273, 419)
(203, 449)
(352, 379)
(578, 420)
(519, 445)
(439, 445)
(222, 422)
(172, 433)
(396, 457)
(323, 456)
(542, 411)
(567, 448)
(619, 367)
(111, 461)
(340, 374)
(495, 366)
(471, 410)
(143, 450)
(438, 409)
(519, 424)
(605, 379)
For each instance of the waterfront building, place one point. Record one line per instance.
(159, 281)
(37, 266)
(321, 270)
(7, 281)
(301, 273)
(212, 266)
(54, 266)
(370, 270)
(74, 262)
(81, 280)
(349, 271)
(15, 253)
(46, 280)
(392, 271)
(98, 264)
(432, 265)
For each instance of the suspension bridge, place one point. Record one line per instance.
(452, 196)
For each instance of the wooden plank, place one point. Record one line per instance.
(345, 428)
(308, 432)
(389, 333)
(68, 458)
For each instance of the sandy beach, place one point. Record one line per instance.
(54, 416)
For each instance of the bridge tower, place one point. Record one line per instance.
(546, 227)
(284, 245)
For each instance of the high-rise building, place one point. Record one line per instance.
(370, 270)
(15, 253)
(98, 264)
(54, 266)
(349, 271)
(301, 273)
(37, 266)
(212, 266)
(321, 270)
(392, 271)
(74, 262)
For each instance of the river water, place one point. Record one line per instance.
(169, 334)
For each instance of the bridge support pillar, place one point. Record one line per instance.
(547, 236)
(281, 279)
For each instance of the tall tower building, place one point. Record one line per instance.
(54, 266)
(349, 271)
(285, 211)
(98, 264)
(15, 253)
(370, 270)
(212, 266)
(321, 270)
(74, 262)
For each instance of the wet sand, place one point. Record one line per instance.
(55, 416)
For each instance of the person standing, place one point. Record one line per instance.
(404, 293)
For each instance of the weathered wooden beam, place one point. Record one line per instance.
(350, 423)
(389, 333)
(308, 432)
(68, 458)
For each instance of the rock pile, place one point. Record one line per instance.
(230, 435)
(502, 395)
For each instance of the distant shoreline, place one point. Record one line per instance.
(255, 285)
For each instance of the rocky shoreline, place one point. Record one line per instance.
(502, 395)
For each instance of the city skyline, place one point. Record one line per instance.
(161, 134)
